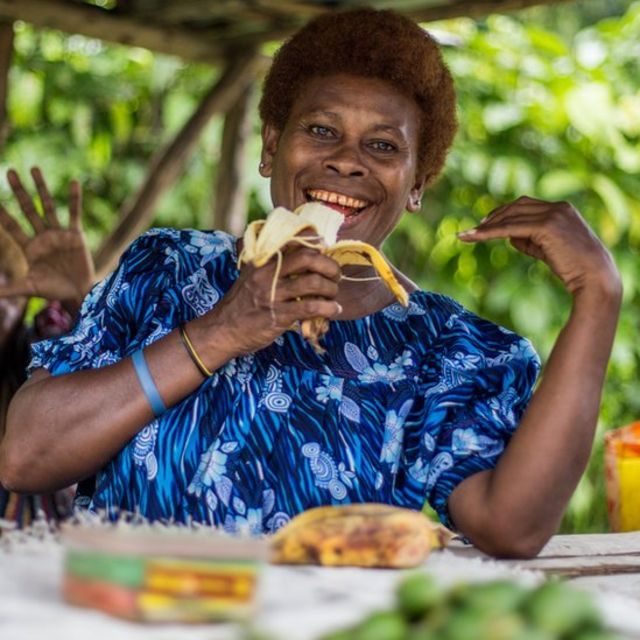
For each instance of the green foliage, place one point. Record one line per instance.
(553, 116)
(549, 107)
(79, 108)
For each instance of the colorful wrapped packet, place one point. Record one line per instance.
(622, 472)
(162, 574)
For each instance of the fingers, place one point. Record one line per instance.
(521, 211)
(311, 284)
(25, 202)
(15, 288)
(75, 205)
(513, 227)
(45, 198)
(301, 260)
(306, 309)
(12, 227)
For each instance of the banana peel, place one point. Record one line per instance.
(312, 225)
(358, 535)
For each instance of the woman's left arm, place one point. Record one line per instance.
(515, 508)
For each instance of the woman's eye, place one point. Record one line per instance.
(319, 130)
(383, 145)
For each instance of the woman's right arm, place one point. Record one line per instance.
(61, 429)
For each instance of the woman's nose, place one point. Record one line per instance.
(345, 161)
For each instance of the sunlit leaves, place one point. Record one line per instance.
(554, 114)
(25, 98)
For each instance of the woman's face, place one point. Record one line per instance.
(352, 143)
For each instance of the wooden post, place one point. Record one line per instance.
(230, 194)
(167, 165)
(6, 53)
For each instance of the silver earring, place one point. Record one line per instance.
(261, 165)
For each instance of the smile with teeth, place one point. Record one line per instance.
(354, 205)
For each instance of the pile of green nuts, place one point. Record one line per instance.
(496, 610)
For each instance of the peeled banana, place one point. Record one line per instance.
(358, 535)
(264, 239)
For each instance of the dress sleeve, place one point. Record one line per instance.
(118, 315)
(486, 376)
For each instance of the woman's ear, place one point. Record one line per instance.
(270, 137)
(414, 201)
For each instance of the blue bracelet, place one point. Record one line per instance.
(147, 384)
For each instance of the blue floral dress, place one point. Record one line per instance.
(405, 404)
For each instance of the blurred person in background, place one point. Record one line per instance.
(54, 263)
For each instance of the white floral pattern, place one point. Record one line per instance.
(212, 469)
(143, 449)
(273, 398)
(199, 294)
(209, 246)
(371, 372)
(327, 474)
(393, 434)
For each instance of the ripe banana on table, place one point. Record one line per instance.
(264, 239)
(358, 535)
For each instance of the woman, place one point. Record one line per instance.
(406, 405)
(55, 264)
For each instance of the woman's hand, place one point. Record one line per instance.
(555, 233)
(515, 508)
(305, 287)
(60, 266)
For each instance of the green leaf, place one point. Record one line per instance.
(614, 200)
(532, 309)
(25, 98)
(591, 110)
(559, 184)
(499, 116)
(546, 41)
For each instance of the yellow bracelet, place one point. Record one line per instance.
(202, 367)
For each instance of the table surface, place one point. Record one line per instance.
(301, 603)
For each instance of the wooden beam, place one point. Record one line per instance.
(166, 166)
(292, 8)
(91, 21)
(6, 53)
(202, 10)
(230, 195)
(473, 8)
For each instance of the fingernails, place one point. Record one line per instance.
(467, 233)
(339, 308)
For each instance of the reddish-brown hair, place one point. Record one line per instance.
(374, 44)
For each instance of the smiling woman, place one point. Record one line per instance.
(352, 143)
(182, 394)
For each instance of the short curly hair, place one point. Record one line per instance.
(373, 44)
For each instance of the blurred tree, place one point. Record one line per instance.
(549, 107)
(553, 114)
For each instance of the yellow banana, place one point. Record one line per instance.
(264, 239)
(359, 535)
(356, 252)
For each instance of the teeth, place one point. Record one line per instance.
(337, 198)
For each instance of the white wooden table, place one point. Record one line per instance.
(300, 603)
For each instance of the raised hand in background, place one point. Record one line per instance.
(60, 266)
